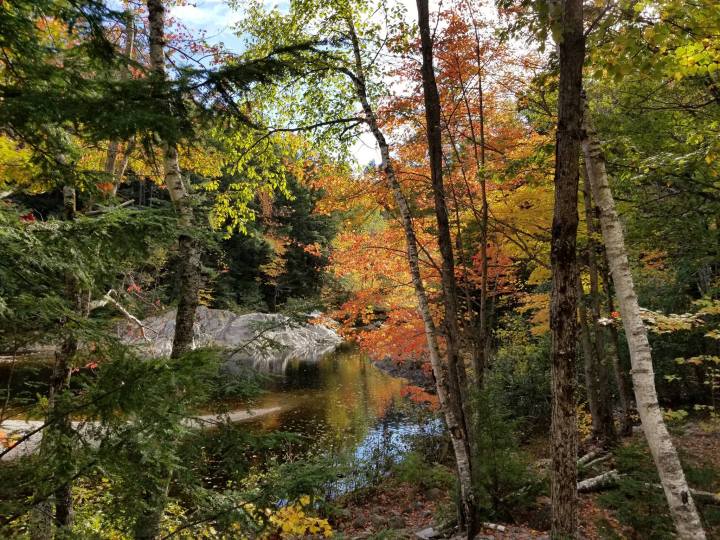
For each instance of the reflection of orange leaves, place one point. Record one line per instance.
(401, 337)
(419, 395)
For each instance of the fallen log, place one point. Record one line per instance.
(494, 527)
(596, 483)
(610, 478)
(590, 456)
(597, 461)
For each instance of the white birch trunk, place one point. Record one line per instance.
(171, 166)
(682, 507)
(450, 407)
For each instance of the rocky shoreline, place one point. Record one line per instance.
(267, 341)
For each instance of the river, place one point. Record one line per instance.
(340, 403)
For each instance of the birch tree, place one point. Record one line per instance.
(189, 255)
(678, 495)
(456, 368)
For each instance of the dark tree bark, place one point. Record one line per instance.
(603, 423)
(589, 363)
(598, 392)
(621, 370)
(480, 346)
(563, 305)
(451, 408)
(56, 439)
(456, 367)
(434, 136)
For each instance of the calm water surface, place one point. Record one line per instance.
(339, 404)
(342, 402)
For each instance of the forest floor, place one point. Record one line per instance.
(397, 509)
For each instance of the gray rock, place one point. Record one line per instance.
(427, 534)
(267, 341)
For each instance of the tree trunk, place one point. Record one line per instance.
(563, 304)
(147, 525)
(456, 367)
(590, 367)
(55, 444)
(682, 507)
(451, 409)
(189, 255)
(481, 340)
(116, 173)
(603, 424)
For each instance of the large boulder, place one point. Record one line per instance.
(266, 340)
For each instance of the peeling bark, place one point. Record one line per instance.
(678, 495)
(451, 410)
(189, 255)
(147, 525)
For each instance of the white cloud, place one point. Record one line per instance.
(214, 17)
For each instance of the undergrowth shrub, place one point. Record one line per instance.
(519, 377)
(504, 482)
(635, 501)
(415, 469)
(638, 502)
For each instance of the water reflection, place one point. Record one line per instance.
(334, 398)
(343, 406)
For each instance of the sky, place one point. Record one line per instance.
(217, 19)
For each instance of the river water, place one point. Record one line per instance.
(345, 407)
(339, 404)
(343, 403)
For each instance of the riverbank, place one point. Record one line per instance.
(22, 437)
(630, 508)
